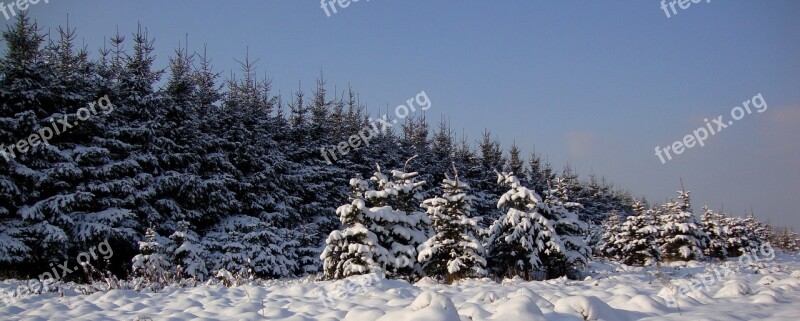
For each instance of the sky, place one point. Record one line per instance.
(594, 84)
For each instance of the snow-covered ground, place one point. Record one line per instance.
(765, 290)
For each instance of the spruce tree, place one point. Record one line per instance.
(247, 246)
(637, 238)
(517, 238)
(454, 251)
(490, 160)
(150, 264)
(397, 221)
(516, 164)
(354, 250)
(738, 238)
(681, 235)
(717, 237)
(571, 251)
(610, 245)
(187, 253)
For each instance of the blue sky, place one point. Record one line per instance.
(597, 84)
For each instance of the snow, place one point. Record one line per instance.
(614, 292)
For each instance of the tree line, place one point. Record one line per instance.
(201, 174)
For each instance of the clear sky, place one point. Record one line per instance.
(598, 84)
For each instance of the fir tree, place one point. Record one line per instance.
(788, 241)
(454, 251)
(739, 240)
(570, 249)
(681, 236)
(187, 253)
(397, 222)
(611, 244)
(246, 246)
(354, 250)
(637, 238)
(517, 238)
(717, 237)
(150, 264)
(516, 163)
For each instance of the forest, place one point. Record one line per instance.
(186, 174)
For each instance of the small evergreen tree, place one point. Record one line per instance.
(638, 237)
(247, 246)
(150, 264)
(454, 251)
(610, 245)
(571, 250)
(755, 231)
(517, 238)
(738, 240)
(681, 236)
(398, 224)
(356, 249)
(187, 253)
(787, 240)
(716, 247)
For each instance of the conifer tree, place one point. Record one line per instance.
(611, 244)
(454, 251)
(397, 221)
(354, 250)
(681, 235)
(187, 253)
(517, 238)
(738, 238)
(717, 237)
(638, 237)
(150, 264)
(570, 249)
(788, 241)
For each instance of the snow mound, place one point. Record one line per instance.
(767, 280)
(734, 289)
(646, 304)
(528, 293)
(518, 308)
(428, 306)
(513, 281)
(473, 311)
(768, 297)
(796, 274)
(589, 308)
(700, 296)
(787, 284)
(484, 297)
(359, 314)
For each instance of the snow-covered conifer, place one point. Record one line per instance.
(400, 226)
(187, 253)
(517, 238)
(681, 236)
(151, 264)
(717, 238)
(638, 237)
(454, 251)
(610, 245)
(354, 250)
(570, 250)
